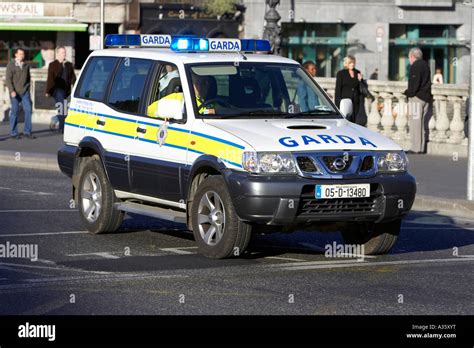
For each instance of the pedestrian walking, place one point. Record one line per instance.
(420, 100)
(347, 87)
(18, 80)
(61, 78)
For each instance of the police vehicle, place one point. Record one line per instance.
(228, 139)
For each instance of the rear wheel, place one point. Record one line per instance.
(96, 199)
(376, 239)
(218, 231)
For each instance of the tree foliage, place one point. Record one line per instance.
(219, 7)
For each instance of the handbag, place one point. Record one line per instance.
(364, 89)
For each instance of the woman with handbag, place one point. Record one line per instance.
(348, 88)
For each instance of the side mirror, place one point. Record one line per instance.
(172, 109)
(346, 107)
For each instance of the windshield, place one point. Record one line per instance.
(250, 90)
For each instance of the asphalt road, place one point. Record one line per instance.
(151, 266)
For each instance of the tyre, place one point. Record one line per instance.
(218, 231)
(377, 239)
(96, 199)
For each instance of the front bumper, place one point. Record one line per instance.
(285, 200)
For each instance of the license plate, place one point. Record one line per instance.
(342, 191)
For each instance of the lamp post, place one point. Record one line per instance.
(102, 24)
(470, 163)
(271, 30)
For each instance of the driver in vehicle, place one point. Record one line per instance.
(205, 89)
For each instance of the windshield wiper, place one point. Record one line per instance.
(258, 112)
(312, 112)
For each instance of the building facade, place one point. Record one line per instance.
(378, 33)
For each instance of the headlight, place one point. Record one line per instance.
(392, 162)
(268, 163)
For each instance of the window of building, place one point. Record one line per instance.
(35, 44)
(323, 43)
(94, 82)
(437, 42)
(128, 85)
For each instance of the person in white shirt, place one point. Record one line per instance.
(438, 77)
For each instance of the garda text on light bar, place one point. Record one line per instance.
(155, 40)
(216, 45)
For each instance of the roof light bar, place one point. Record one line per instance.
(117, 40)
(188, 43)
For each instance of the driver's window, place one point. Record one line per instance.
(167, 87)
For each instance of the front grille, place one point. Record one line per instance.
(313, 206)
(306, 164)
(367, 164)
(310, 207)
(329, 162)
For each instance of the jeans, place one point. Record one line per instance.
(59, 96)
(25, 101)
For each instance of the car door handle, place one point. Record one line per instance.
(141, 130)
(100, 122)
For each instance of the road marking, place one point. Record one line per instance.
(304, 263)
(104, 254)
(282, 258)
(14, 266)
(439, 228)
(37, 282)
(180, 250)
(42, 234)
(37, 210)
(351, 264)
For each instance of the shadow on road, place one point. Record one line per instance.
(421, 232)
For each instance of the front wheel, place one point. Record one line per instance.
(97, 198)
(218, 231)
(376, 238)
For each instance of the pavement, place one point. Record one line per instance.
(441, 180)
(150, 266)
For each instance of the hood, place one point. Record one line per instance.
(304, 134)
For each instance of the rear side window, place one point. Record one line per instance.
(93, 84)
(128, 85)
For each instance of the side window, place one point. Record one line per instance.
(94, 82)
(128, 85)
(167, 86)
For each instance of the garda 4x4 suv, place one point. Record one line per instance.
(212, 133)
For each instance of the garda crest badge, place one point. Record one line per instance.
(162, 133)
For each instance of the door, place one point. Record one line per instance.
(157, 161)
(118, 120)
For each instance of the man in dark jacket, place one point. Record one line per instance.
(420, 100)
(61, 77)
(18, 80)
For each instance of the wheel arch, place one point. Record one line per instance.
(88, 147)
(203, 167)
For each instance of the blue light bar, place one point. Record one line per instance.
(117, 40)
(251, 45)
(189, 44)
